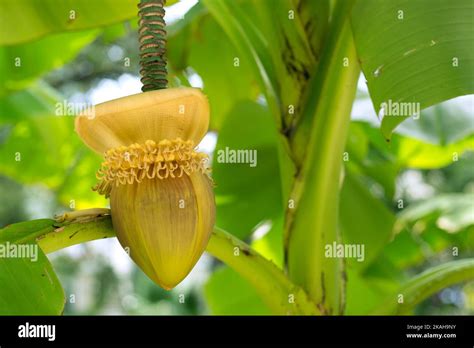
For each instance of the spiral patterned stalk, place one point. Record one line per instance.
(152, 38)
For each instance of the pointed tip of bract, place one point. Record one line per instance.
(165, 286)
(170, 284)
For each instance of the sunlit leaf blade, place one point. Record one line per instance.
(417, 52)
(408, 152)
(21, 64)
(442, 124)
(426, 284)
(25, 20)
(29, 285)
(452, 212)
(415, 154)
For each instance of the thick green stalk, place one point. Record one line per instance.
(275, 289)
(318, 144)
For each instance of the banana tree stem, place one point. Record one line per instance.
(318, 144)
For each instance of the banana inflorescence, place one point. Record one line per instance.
(161, 196)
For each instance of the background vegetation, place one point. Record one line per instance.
(410, 201)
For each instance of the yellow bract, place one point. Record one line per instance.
(162, 203)
(156, 115)
(165, 223)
